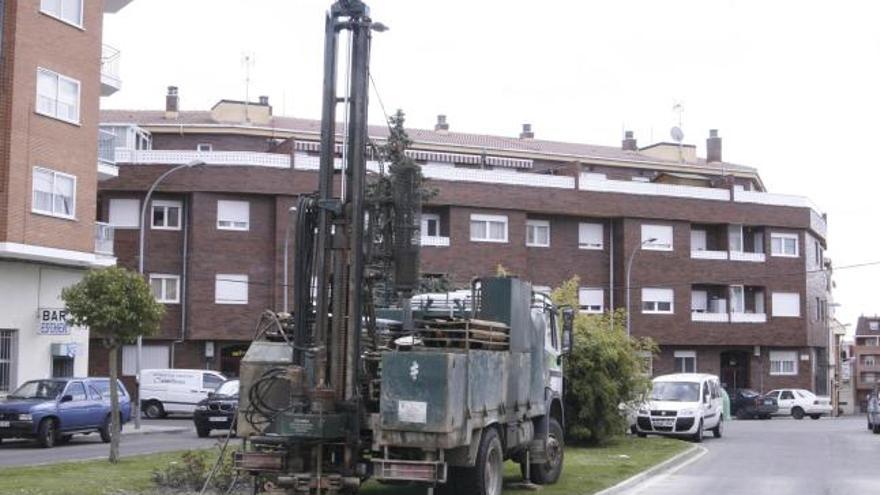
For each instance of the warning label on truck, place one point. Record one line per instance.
(409, 411)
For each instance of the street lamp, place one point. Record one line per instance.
(629, 263)
(143, 222)
(292, 209)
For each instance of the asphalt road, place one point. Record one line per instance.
(780, 457)
(82, 447)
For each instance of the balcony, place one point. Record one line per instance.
(586, 183)
(748, 317)
(745, 256)
(703, 254)
(107, 168)
(709, 317)
(435, 241)
(110, 81)
(114, 6)
(177, 157)
(103, 239)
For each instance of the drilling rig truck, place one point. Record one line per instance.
(430, 390)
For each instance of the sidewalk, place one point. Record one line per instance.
(129, 429)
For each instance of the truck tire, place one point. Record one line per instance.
(487, 475)
(548, 473)
(153, 409)
(47, 433)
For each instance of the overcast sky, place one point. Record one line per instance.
(792, 86)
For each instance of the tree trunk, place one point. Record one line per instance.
(114, 405)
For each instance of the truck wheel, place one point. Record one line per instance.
(797, 413)
(154, 410)
(47, 433)
(548, 473)
(487, 476)
(815, 416)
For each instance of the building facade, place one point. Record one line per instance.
(865, 359)
(53, 70)
(726, 277)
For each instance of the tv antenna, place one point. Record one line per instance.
(248, 60)
(676, 132)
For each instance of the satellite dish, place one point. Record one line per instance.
(677, 134)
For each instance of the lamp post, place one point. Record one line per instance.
(629, 263)
(286, 287)
(143, 222)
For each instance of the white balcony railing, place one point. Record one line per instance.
(103, 238)
(175, 157)
(650, 189)
(709, 255)
(110, 80)
(435, 241)
(451, 173)
(744, 256)
(709, 317)
(748, 317)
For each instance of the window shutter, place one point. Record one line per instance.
(590, 235)
(233, 214)
(588, 297)
(125, 213)
(787, 304)
(658, 295)
(663, 234)
(231, 289)
(699, 300)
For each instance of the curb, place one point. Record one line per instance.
(169, 429)
(669, 465)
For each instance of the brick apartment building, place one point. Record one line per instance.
(734, 282)
(53, 69)
(865, 360)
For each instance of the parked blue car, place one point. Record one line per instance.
(53, 410)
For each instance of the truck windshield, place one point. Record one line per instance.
(676, 391)
(39, 389)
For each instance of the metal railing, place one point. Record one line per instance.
(103, 238)
(435, 241)
(110, 65)
(106, 147)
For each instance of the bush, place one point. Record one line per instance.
(605, 369)
(193, 468)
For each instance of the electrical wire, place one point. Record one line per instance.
(219, 460)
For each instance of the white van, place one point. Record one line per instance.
(175, 390)
(684, 404)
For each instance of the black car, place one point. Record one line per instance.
(218, 411)
(747, 403)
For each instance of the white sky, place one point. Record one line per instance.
(792, 86)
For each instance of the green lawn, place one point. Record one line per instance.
(587, 470)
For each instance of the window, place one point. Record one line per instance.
(662, 235)
(786, 304)
(211, 381)
(737, 299)
(637, 178)
(152, 357)
(69, 11)
(786, 395)
(819, 253)
(233, 215)
(489, 228)
(785, 245)
(590, 236)
(783, 363)
(231, 289)
(657, 300)
(62, 367)
(57, 96)
(735, 237)
(125, 213)
(54, 193)
(538, 233)
(94, 394)
(204, 147)
(76, 390)
(591, 300)
(7, 360)
(874, 325)
(685, 361)
(166, 215)
(698, 240)
(166, 288)
(430, 225)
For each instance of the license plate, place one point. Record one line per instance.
(768, 402)
(664, 422)
(4, 424)
(218, 419)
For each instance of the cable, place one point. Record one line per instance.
(218, 462)
(381, 103)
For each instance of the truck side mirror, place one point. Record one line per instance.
(567, 330)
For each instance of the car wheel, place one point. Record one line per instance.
(741, 414)
(63, 439)
(797, 413)
(203, 432)
(815, 416)
(719, 428)
(154, 410)
(47, 433)
(104, 430)
(766, 416)
(697, 437)
(876, 429)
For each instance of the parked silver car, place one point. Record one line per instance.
(873, 411)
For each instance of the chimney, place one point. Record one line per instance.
(172, 103)
(527, 132)
(441, 125)
(713, 147)
(264, 100)
(629, 142)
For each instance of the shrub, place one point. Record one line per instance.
(193, 468)
(606, 368)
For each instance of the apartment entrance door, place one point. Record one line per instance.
(230, 359)
(734, 370)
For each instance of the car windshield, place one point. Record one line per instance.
(676, 391)
(227, 388)
(39, 389)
